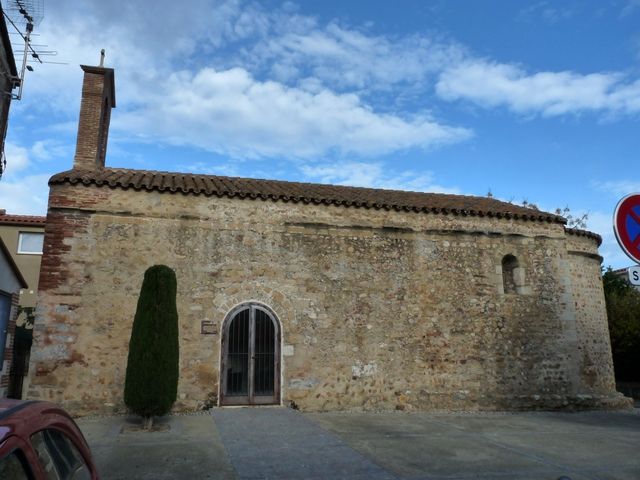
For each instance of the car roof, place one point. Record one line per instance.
(10, 406)
(13, 412)
(6, 403)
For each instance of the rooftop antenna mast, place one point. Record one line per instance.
(23, 15)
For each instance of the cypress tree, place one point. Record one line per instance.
(151, 381)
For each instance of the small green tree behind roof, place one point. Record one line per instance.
(151, 381)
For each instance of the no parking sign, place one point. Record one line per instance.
(626, 225)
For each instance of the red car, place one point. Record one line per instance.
(39, 440)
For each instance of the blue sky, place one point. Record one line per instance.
(534, 101)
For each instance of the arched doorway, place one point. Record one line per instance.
(250, 363)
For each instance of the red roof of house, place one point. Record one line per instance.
(278, 190)
(21, 220)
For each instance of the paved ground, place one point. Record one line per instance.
(279, 443)
(595, 445)
(191, 449)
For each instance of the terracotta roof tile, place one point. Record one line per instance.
(21, 220)
(278, 190)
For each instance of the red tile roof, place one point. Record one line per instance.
(278, 190)
(21, 220)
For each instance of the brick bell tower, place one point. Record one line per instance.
(98, 98)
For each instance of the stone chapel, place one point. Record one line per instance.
(326, 297)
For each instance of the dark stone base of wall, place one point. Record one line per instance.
(615, 401)
(560, 403)
(541, 402)
(630, 389)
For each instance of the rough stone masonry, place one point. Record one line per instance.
(380, 299)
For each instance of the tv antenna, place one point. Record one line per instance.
(23, 16)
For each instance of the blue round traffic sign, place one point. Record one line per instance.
(626, 225)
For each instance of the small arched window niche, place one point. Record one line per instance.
(513, 276)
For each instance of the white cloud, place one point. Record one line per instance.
(373, 175)
(143, 25)
(22, 190)
(302, 88)
(20, 157)
(548, 93)
(549, 12)
(48, 149)
(17, 157)
(295, 50)
(316, 102)
(24, 195)
(232, 113)
(40, 150)
(630, 7)
(348, 58)
(619, 188)
(134, 35)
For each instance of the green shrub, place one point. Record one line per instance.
(623, 311)
(151, 381)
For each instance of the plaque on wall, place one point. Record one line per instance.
(208, 327)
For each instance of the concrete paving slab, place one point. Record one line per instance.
(190, 449)
(432, 454)
(620, 422)
(589, 445)
(632, 473)
(578, 451)
(439, 457)
(542, 422)
(279, 443)
(382, 423)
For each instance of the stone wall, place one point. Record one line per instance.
(594, 347)
(379, 309)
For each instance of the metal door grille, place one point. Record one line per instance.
(250, 362)
(238, 355)
(263, 353)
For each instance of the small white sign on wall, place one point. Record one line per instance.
(634, 275)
